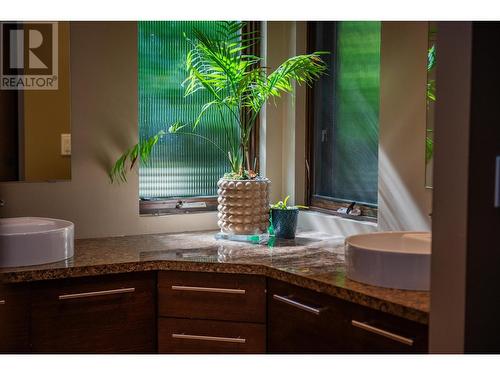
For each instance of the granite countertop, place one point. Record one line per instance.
(313, 260)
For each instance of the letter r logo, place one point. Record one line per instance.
(29, 51)
(30, 47)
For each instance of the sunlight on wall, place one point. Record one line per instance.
(398, 208)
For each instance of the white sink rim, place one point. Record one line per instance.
(30, 241)
(62, 224)
(397, 268)
(357, 240)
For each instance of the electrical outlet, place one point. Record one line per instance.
(65, 144)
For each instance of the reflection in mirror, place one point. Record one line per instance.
(35, 124)
(431, 100)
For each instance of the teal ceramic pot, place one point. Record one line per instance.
(284, 222)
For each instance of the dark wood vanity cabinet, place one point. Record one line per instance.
(107, 314)
(302, 321)
(193, 312)
(211, 313)
(14, 319)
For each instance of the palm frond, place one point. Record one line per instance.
(301, 69)
(140, 152)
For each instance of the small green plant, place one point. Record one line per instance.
(282, 205)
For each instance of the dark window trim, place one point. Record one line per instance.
(316, 202)
(174, 206)
(254, 26)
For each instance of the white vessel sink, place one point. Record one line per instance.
(26, 241)
(400, 260)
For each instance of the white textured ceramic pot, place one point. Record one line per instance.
(243, 206)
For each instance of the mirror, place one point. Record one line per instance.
(35, 116)
(431, 101)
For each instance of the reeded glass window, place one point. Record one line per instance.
(180, 166)
(345, 118)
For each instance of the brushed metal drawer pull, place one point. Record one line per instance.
(208, 338)
(98, 293)
(381, 332)
(296, 304)
(209, 290)
(2, 302)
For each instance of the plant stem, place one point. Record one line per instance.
(204, 138)
(247, 158)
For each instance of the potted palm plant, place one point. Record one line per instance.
(239, 86)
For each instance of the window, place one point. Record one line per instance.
(180, 166)
(343, 111)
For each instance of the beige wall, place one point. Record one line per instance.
(451, 175)
(47, 115)
(104, 123)
(283, 123)
(275, 115)
(404, 202)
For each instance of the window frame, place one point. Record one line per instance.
(174, 205)
(318, 203)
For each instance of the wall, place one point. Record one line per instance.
(283, 123)
(47, 115)
(451, 174)
(404, 202)
(104, 122)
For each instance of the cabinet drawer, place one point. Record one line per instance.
(109, 314)
(209, 336)
(199, 295)
(14, 319)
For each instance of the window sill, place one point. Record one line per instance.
(177, 212)
(315, 220)
(331, 206)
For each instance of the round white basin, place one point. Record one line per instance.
(26, 241)
(400, 260)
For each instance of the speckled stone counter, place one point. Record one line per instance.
(313, 260)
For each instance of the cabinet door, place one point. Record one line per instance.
(108, 314)
(14, 319)
(301, 321)
(373, 331)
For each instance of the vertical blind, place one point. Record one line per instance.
(346, 112)
(181, 165)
